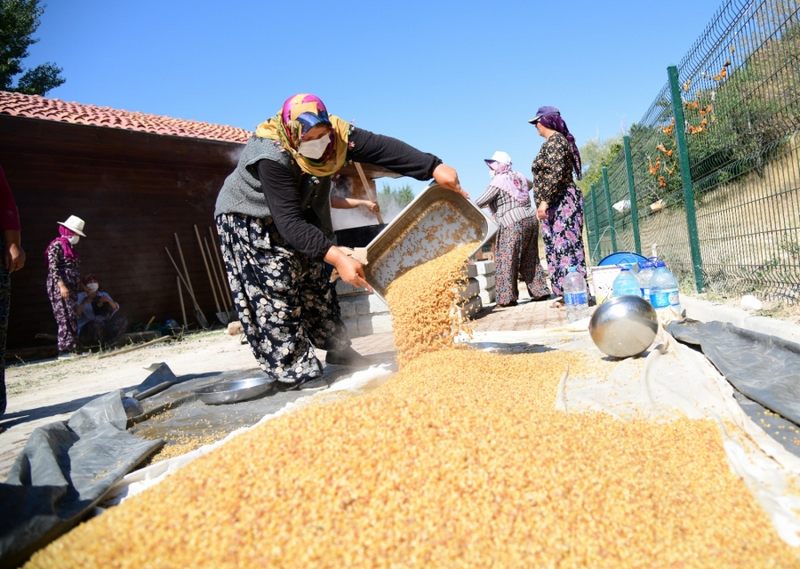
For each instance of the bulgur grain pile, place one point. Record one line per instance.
(423, 303)
(180, 445)
(458, 460)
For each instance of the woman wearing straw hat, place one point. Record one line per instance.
(64, 282)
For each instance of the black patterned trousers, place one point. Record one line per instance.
(285, 300)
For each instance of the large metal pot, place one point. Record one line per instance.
(624, 326)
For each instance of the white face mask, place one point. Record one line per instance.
(92, 287)
(73, 239)
(314, 149)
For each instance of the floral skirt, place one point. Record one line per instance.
(562, 233)
(286, 302)
(517, 258)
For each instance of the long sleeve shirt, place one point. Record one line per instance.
(552, 169)
(507, 211)
(299, 225)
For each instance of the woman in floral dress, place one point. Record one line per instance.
(274, 221)
(64, 282)
(560, 203)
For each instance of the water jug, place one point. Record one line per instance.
(644, 276)
(576, 297)
(625, 283)
(664, 289)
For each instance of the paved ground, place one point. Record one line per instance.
(44, 392)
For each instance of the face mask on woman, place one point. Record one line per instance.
(73, 239)
(92, 287)
(314, 149)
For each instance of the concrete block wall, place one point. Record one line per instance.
(483, 273)
(363, 313)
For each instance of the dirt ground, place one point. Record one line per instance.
(40, 393)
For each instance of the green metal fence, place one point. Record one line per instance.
(711, 173)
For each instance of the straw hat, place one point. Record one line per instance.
(74, 223)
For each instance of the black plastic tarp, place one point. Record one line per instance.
(64, 469)
(764, 369)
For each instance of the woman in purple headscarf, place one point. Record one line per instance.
(559, 202)
(517, 245)
(64, 282)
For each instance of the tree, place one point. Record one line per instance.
(19, 19)
(594, 155)
(392, 200)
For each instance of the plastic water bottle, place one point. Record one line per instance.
(664, 289)
(576, 297)
(625, 283)
(645, 275)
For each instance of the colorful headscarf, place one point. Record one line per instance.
(550, 117)
(288, 127)
(511, 182)
(63, 234)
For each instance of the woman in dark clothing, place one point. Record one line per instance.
(13, 260)
(560, 203)
(273, 218)
(64, 282)
(517, 245)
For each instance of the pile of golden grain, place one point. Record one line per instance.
(459, 460)
(423, 302)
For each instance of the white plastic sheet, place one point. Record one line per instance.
(668, 382)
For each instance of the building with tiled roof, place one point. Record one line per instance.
(141, 182)
(36, 107)
(137, 179)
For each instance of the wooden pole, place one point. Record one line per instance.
(183, 263)
(368, 189)
(208, 269)
(218, 278)
(222, 270)
(201, 318)
(183, 307)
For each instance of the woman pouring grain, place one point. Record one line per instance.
(273, 218)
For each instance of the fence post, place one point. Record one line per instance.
(587, 218)
(637, 243)
(686, 177)
(599, 238)
(610, 211)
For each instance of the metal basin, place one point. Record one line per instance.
(623, 327)
(234, 391)
(434, 223)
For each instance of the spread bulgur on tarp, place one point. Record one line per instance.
(460, 459)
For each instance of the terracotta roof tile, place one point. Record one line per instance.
(36, 107)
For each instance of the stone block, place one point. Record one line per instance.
(480, 268)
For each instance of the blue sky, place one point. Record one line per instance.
(458, 79)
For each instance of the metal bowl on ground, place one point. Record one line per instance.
(233, 391)
(623, 327)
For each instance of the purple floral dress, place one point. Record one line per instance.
(62, 268)
(562, 229)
